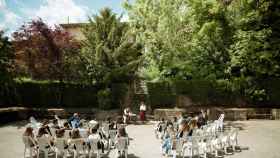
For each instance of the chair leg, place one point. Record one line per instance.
(38, 153)
(89, 154)
(216, 153)
(98, 154)
(24, 152)
(126, 153)
(46, 154)
(225, 150)
(75, 154)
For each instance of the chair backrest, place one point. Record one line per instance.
(83, 133)
(60, 143)
(28, 141)
(43, 142)
(67, 133)
(79, 144)
(94, 144)
(122, 143)
(233, 134)
(179, 144)
(113, 133)
(105, 128)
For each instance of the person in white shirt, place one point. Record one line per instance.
(95, 135)
(142, 111)
(126, 115)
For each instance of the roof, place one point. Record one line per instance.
(72, 25)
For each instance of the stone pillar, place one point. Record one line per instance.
(275, 114)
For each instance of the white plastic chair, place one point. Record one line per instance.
(29, 144)
(221, 122)
(195, 146)
(43, 142)
(233, 139)
(80, 148)
(224, 139)
(122, 145)
(105, 129)
(59, 121)
(94, 148)
(112, 135)
(216, 145)
(60, 144)
(178, 147)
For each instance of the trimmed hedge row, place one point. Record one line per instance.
(201, 92)
(32, 94)
(160, 94)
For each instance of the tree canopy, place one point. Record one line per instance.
(44, 52)
(110, 51)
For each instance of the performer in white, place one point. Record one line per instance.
(142, 111)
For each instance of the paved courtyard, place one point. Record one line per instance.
(258, 139)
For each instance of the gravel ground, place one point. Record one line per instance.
(257, 139)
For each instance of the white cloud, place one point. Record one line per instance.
(2, 4)
(9, 18)
(58, 11)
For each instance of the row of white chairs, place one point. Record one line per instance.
(203, 144)
(59, 147)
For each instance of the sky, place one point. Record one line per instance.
(14, 13)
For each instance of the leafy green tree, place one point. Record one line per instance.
(110, 51)
(184, 39)
(255, 52)
(6, 57)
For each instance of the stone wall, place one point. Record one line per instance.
(213, 113)
(19, 113)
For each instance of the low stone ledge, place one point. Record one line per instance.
(21, 113)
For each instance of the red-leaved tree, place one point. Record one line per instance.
(43, 52)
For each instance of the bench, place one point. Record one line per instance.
(260, 116)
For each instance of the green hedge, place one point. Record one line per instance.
(219, 93)
(36, 94)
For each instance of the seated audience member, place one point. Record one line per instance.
(126, 115)
(192, 126)
(119, 122)
(44, 134)
(75, 134)
(201, 119)
(95, 135)
(161, 127)
(74, 121)
(120, 134)
(175, 123)
(112, 124)
(183, 130)
(54, 124)
(167, 139)
(60, 134)
(66, 126)
(29, 132)
(45, 125)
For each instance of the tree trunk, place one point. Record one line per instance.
(127, 101)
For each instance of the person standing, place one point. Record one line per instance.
(143, 109)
